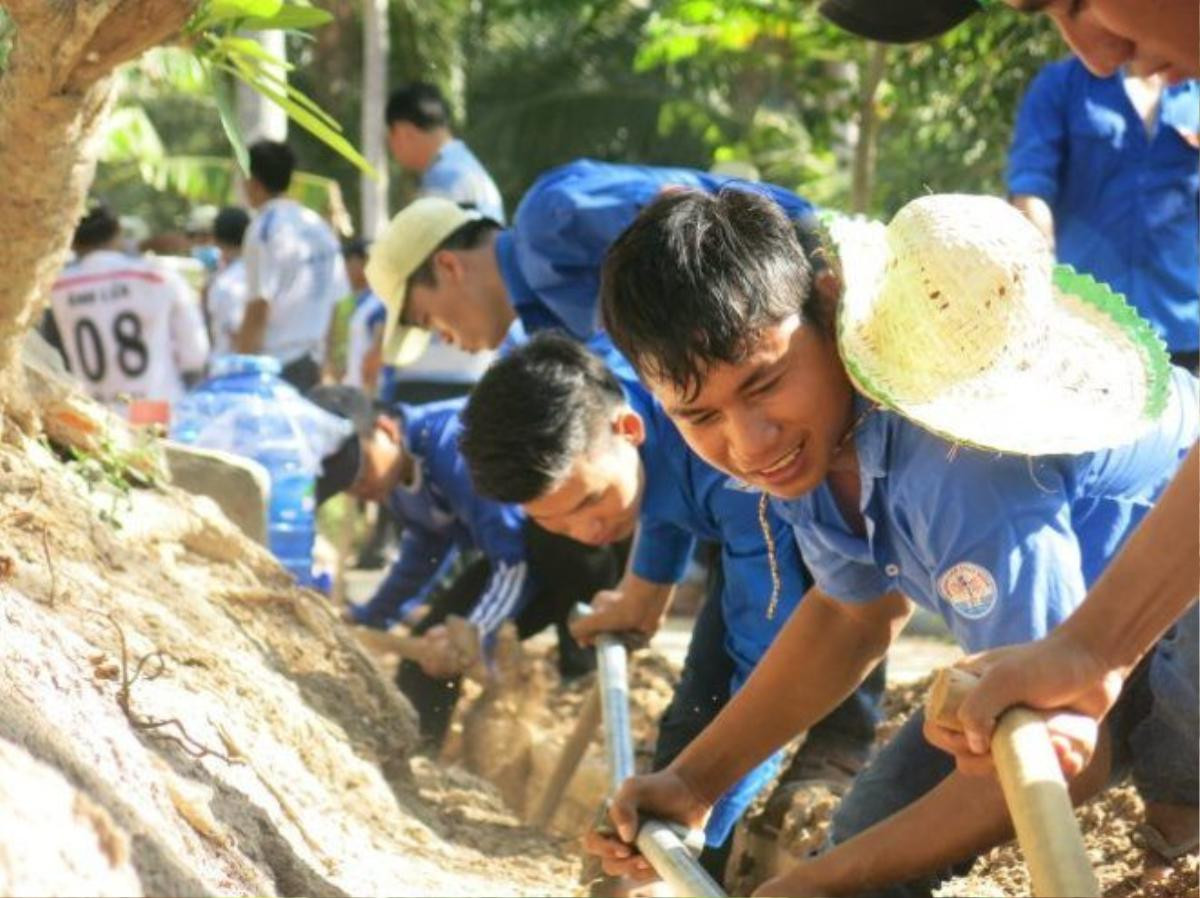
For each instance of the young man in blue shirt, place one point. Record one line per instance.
(588, 453)
(949, 323)
(449, 270)
(409, 459)
(1107, 169)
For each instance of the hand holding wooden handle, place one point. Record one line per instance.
(1034, 789)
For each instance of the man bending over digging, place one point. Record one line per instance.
(588, 453)
(955, 424)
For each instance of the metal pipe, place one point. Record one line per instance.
(658, 842)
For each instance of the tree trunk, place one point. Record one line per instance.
(374, 191)
(868, 130)
(54, 96)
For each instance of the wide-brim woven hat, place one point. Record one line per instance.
(407, 241)
(956, 316)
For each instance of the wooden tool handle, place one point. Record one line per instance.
(1034, 790)
(568, 761)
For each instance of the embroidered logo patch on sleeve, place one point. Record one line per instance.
(970, 588)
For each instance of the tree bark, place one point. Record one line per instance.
(54, 96)
(868, 130)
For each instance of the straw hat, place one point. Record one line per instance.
(955, 316)
(407, 241)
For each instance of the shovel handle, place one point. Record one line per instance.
(1034, 789)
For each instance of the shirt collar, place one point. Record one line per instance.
(870, 438)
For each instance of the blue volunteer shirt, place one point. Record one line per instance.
(683, 500)
(458, 175)
(551, 257)
(442, 513)
(1125, 202)
(1002, 547)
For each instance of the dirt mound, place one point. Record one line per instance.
(178, 719)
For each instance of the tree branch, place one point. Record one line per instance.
(132, 28)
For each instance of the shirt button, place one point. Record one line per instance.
(892, 570)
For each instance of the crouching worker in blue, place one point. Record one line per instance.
(590, 455)
(409, 459)
(978, 433)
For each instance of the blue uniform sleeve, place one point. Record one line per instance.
(662, 551)
(1139, 471)
(498, 531)
(421, 556)
(1040, 136)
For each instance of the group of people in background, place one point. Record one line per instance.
(562, 406)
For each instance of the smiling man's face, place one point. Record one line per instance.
(776, 419)
(1146, 37)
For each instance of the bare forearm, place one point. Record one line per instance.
(1151, 583)
(821, 655)
(654, 598)
(1038, 211)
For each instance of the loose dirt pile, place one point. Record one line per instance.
(543, 711)
(178, 719)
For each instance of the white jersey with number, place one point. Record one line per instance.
(128, 327)
(294, 262)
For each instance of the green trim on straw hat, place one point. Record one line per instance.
(1101, 296)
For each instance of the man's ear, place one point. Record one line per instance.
(447, 267)
(827, 288)
(629, 425)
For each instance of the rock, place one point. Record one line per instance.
(240, 486)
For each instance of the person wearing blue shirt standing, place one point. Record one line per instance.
(944, 418)
(573, 436)
(1109, 169)
(409, 458)
(422, 142)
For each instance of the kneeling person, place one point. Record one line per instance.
(589, 454)
(409, 459)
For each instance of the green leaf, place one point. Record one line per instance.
(232, 45)
(224, 10)
(314, 125)
(225, 108)
(290, 17)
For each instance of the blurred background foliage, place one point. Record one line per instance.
(689, 82)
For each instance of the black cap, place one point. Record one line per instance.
(340, 468)
(898, 21)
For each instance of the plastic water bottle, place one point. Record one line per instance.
(247, 409)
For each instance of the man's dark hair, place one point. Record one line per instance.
(697, 277)
(271, 164)
(533, 413)
(470, 235)
(229, 227)
(421, 104)
(358, 248)
(98, 226)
